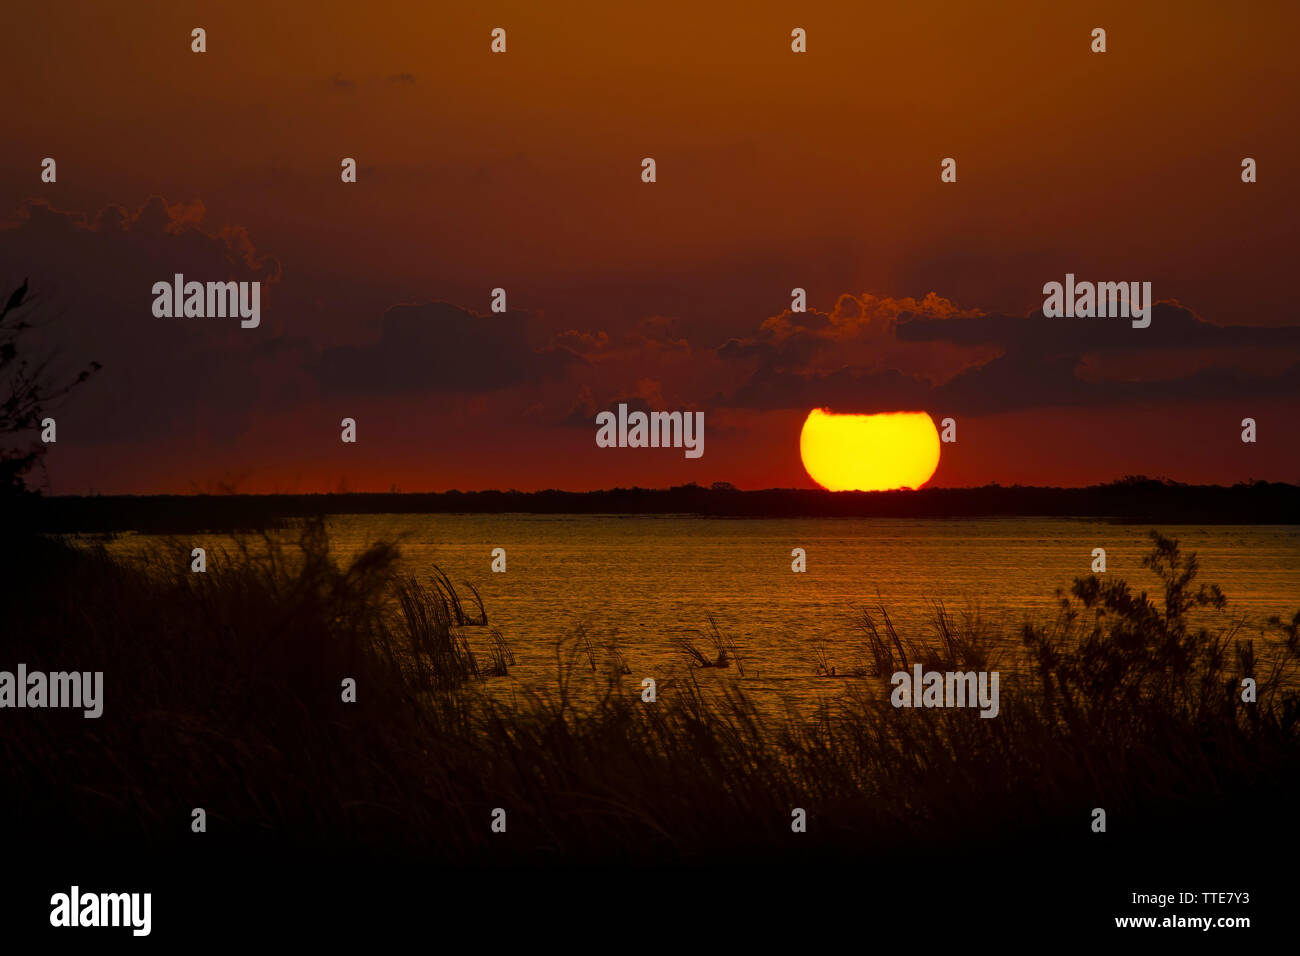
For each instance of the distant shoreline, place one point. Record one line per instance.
(1130, 500)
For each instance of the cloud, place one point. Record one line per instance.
(583, 343)
(439, 347)
(658, 333)
(875, 354)
(207, 379)
(858, 332)
(92, 279)
(844, 390)
(1021, 379)
(1172, 327)
(583, 413)
(1041, 359)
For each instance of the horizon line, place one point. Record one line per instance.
(720, 487)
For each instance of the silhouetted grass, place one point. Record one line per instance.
(724, 649)
(223, 691)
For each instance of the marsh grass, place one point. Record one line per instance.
(963, 643)
(882, 647)
(595, 653)
(724, 648)
(222, 690)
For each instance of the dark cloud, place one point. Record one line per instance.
(659, 333)
(91, 301)
(1172, 327)
(585, 411)
(844, 390)
(1020, 380)
(208, 379)
(873, 354)
(743, 348)
(439, 347)
(1041, 360)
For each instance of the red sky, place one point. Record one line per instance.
(775, 170)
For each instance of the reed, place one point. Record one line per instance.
(223, 691)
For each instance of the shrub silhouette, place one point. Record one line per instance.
(25, 392)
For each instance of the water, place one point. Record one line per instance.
(646, 581)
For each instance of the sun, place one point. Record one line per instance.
(869, 452)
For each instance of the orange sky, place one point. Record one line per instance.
(775, 170)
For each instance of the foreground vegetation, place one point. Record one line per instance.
(222, 691)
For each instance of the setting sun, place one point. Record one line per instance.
(869, 452)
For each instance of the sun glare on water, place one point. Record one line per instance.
(869, 452)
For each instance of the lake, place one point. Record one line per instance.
(644, 582)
